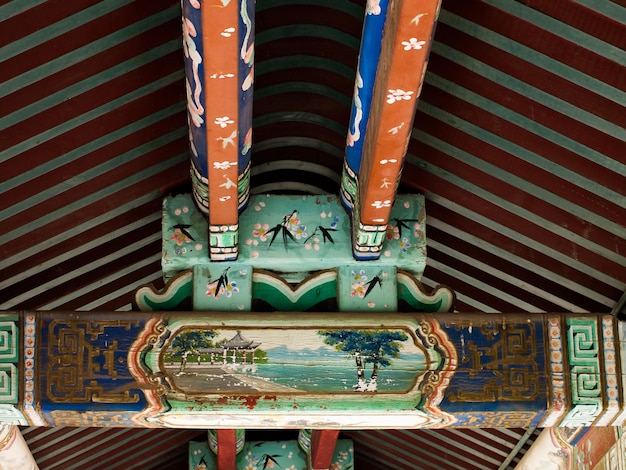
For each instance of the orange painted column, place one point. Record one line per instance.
(224, 88)
(403, 59)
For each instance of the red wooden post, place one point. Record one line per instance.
(226, 449)
(322, 448)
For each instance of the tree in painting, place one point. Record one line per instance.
(188, 342)
(377, 347)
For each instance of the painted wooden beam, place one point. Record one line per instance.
(392, 64)
(323, 444)
(228, 370)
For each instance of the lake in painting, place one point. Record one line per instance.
(293, 361)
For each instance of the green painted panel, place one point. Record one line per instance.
(367, 288)
(306, 295)
(269, 454)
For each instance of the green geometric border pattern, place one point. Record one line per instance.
(583, 345)
(9, 358)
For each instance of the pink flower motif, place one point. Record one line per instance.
(293, 221)
(260, 231)
(314, 244)
(393, 233)
(180, 237)
(358, 289)
(211, 288)
(417, 230)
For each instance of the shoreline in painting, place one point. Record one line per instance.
(220, 378)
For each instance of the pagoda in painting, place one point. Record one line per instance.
(240, 344)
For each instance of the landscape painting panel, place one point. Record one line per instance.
(293, 361)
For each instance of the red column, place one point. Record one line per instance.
(322, 448)
(226, 449)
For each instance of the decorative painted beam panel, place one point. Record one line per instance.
(219, 54)
(392, 63)
(225, 370)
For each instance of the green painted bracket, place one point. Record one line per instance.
(293, 236)
(371, 288)
(218, 287)
(397, 292)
